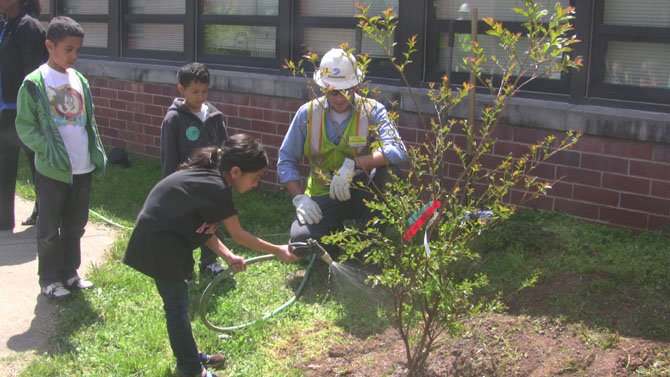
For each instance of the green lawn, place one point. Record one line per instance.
(608, 279)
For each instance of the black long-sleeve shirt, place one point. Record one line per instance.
(22, 50)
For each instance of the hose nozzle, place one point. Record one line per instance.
(320, 251)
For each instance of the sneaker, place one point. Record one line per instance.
(55, 291)
(212, 269)
(77, 282)
(212, 361)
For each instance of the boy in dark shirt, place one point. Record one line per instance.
(191, 123)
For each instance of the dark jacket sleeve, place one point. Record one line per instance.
(30, 37)
(170, 144)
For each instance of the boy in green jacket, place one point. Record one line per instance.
(55, 120)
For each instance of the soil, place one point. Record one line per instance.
(497, 345)
(528, 340)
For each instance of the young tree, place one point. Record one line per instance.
(433, 279)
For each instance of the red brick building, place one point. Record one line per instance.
(619, 172)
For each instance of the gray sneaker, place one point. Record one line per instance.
(77, 282)
(55, 291)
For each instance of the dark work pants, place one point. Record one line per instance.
(60, 226)
(10, 147)
(175, 304)
(207, 256)
(335, 212)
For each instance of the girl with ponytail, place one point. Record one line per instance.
(181, 213)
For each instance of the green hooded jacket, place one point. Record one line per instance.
(37, 130)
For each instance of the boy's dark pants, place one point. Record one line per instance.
(60, 226)
(10, 146)
(175, 304)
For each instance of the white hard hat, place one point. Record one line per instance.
(338, 71)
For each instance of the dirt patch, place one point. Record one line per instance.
(500, 345)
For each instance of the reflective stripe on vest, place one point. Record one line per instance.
(316, 124)
(322, 157)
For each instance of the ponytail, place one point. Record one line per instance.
(239, 150)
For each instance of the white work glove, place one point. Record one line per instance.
(307, 210)
(339, 185)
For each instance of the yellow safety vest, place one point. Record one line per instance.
(324, 156)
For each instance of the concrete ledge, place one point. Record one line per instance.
(627, 124)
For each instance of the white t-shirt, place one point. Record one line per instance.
(68, 110)
(202, 114)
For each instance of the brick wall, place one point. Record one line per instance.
(604, 180)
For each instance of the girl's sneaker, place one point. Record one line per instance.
(55, 291)
(77, 282)
(216, 360)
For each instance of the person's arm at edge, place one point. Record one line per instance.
(34, 53)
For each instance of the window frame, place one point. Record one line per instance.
(436, 27)
(603, 34)
(187, 20)
(281, 22)
(378, 68)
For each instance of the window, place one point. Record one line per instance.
(154, 29)
(324, 24)
(92, 15)
(632, 51)
(244, 32)
(449, 39)
(626, 44)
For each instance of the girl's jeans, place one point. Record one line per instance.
(175, 303)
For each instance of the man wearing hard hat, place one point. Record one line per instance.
(343, 136)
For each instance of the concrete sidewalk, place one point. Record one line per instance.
(26, 316)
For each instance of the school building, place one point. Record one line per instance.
(618, 173)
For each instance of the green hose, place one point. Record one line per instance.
(227, 274)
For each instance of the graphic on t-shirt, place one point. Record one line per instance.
(67, 103)
(207, 228)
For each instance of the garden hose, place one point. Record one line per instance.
(228, 274)
(108, 221)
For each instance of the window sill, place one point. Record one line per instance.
(605, 121)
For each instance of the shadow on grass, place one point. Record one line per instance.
(58, 321)
(363, 308)
(602, 277)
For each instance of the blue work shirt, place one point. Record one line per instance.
(292, 148)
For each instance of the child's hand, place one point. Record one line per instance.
(236, 263)
(285, 256)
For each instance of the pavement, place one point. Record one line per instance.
(26, 316)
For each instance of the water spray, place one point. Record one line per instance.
(303, 249)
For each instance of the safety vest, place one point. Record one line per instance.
(324, 156)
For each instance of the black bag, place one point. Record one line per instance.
(119, 156)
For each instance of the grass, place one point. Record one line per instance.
(607, 282)
(600, 276)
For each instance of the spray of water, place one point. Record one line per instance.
(352, 282)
